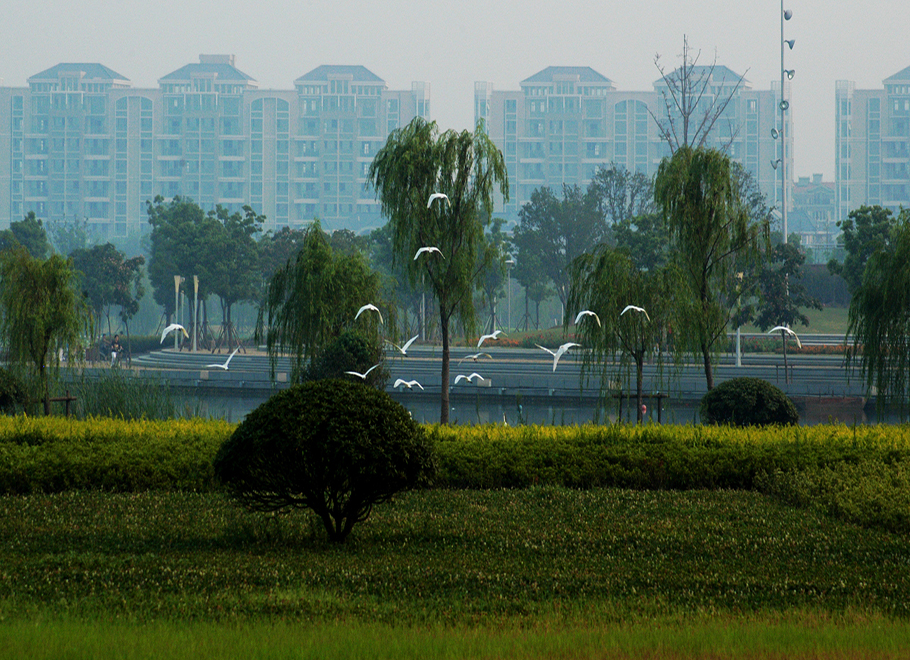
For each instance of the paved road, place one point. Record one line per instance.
(526, 371)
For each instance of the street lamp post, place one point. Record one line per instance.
(509, 263)
(177, 282)
(785, 74)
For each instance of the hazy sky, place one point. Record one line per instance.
(452, 43)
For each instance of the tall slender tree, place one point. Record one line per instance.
(416, 162)
(880, 318)
(606, 281)
(42, 313)
(711, 228)
(313, 299)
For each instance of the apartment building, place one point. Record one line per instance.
(565, 122)
(872, 145)
(79, 142)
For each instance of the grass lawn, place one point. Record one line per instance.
(827, 321)
(542, 572)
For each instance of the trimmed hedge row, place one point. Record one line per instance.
(651, 456)
(53, 454)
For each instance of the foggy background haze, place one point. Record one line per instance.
(453, 43)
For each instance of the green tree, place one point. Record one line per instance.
(552, 232)
(621, 195)
(230, 255)
(605, 281)
(180, 229)
(67, 236)
(415, 163)
(42, 313)
(493, 282)
(879, 318)
(28, 233)
(335, 447)
(782, 293)
(313, 299)
(866, 231)
(710, 228)
(529, 273)
(108, 279)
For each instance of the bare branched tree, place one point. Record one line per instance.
(693, 101)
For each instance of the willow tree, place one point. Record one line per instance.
(43, 314)
(606, 281)
(416, 162)
(879, 319)
(711, 228)
(313, 299)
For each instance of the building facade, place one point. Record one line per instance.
(566, 122)
(79, 142)
(872, 145)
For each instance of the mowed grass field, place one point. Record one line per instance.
(541, 572)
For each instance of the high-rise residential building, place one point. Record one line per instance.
(79, 142)
(872, 145)
(565, 122)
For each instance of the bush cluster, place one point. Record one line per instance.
(747, 402)
(332, 446)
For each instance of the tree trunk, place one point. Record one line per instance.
(639, 382)
(706, 358)
(444, 394)
(783, 336)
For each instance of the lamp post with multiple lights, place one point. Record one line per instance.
(785, 74)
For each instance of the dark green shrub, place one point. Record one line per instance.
(350, 351)
(333, 446)
(747, 402)
(13, 393)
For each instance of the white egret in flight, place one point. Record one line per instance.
(493, 335)
(428, 250)
(407, 383)
(362, 376)
(475, 356)
(436, 196)
(370, 307)
(226, 362)
(559, 352)
(404, 349)
(787, 330)
(586, 312)
(171, 328)
(640, 310)
(470, 378)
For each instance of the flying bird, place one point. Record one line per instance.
(372, 308)
(362, 376)
(640, 310)
(438, 195)
(494, 335)
(559, 352)
(470, 378)
(226, 362)
(475, 356)
(587, 312)
(407, 383)
(428, 250)
(787, 330)
(171, 328)
(404, 349)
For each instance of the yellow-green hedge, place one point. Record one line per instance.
(52, 454)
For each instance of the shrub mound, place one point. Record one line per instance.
(747, 402)
(333, 446)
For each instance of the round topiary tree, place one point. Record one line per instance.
(747, 402)
(333, 446)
